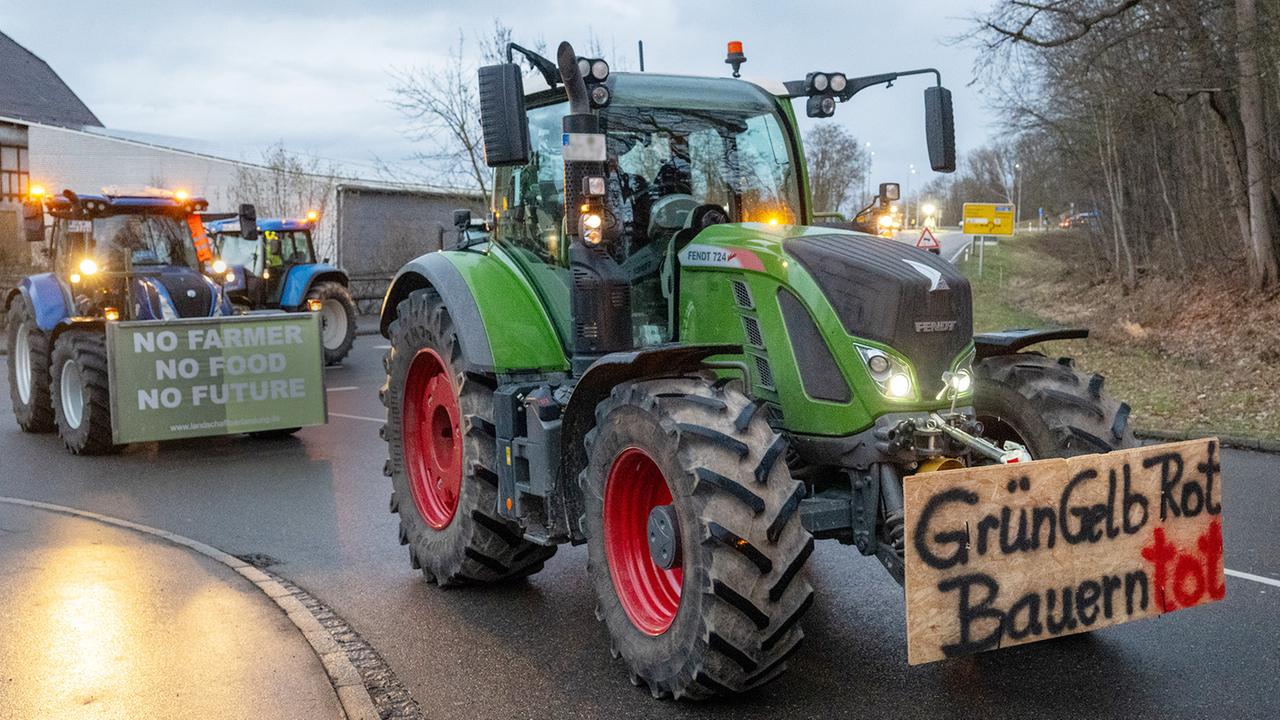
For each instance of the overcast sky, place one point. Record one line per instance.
(317, 75)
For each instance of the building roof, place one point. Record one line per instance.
(33, 91)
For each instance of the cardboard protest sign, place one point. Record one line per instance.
(215, 376)
(1010, 554)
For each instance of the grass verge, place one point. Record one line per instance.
(1186, 359)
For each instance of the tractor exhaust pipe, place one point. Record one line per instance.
(601, 295)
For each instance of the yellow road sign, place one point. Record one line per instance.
(988, 218)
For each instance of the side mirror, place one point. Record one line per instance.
(249, 222)
(940, 129)
(502, 115)
(33, 221)
(889, 192)
(462, 219)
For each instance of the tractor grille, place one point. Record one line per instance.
(742, 295)
(752, 327)
(764, 373)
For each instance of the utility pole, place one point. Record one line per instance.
(906, 199)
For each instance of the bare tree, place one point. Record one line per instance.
(443, 108)
(837, 166)
(286, 184)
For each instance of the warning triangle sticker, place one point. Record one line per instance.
(927, 241)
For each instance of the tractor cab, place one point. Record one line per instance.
(275, 267)
(280, 245)
(136, 256)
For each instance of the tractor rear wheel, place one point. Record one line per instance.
(695, 545)
(337, 319)
(1048, 406)
(81, 393)
(441, 455)
(28, 369)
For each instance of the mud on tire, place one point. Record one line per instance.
(35, 413)
(475, 546)
(82, 353)
(1049, 405)
(744, 585)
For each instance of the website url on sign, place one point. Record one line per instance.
(229, 423)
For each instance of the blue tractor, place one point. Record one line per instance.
(115, 257)
(275, 267)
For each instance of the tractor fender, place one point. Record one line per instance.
(75, 323)
(612, 370)
(49, 297)
(300, 279)
(487, 299)
(1008, 342)
(434, 270)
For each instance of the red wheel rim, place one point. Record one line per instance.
(432, 439)
(649, 594)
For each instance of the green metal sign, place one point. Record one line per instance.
(215, 376)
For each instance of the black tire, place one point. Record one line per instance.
(745, 584)
(476, 545)
(86, 351)
(35, 413)
(1049, 406)
(337, 347)
(277, 434)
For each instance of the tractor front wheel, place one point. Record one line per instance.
(695, 545)
(28, 369)
(337, 319)
(81, 393)
(441, 455)
(1048, 406)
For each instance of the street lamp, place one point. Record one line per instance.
(1017, 206)
(906, 200)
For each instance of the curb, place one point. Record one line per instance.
(343, 676)
(1233, 441)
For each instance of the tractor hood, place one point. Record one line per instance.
(175, 292)
(880, 290)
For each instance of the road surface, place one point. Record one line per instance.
(317, 505)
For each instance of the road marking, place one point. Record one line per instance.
(336, 665)
(357, 417)
(344, 388)
(381, 347)
(1250, 576)
(958, 252)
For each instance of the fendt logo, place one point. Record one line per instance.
(710, 256)
(718, 257)
(932, 326)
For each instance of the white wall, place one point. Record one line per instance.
(86, 163)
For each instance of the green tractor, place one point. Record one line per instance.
(657, 354)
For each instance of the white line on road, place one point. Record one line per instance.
(381, 347)
(1250, 576)
(344, 388)
(357, 417)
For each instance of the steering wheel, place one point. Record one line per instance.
(671, 213)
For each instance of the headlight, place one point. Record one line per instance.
(892, 375)
(885, 221)
(899, 386)
(219, 267)
(88, 266)
(959, 379)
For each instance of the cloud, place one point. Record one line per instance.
(317, 75)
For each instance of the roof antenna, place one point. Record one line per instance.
(640, 43)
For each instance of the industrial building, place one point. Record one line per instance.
(48, 136)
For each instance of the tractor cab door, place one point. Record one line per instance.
(283, 250)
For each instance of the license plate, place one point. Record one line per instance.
(1010, 554)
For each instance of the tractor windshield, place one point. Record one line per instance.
(675, 144)
(147, 239)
